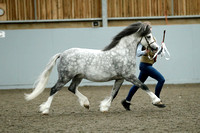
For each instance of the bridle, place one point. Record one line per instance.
(163, 49)
(149, 43)
(149, 47)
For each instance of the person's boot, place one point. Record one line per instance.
(160, 105)
(125, 104)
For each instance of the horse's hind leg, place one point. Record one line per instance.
(83, 100)
(44, 108)
(106, 103)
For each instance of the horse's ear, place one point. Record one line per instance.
(144, 29)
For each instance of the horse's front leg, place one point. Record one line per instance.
(133, 79)
(106, 103)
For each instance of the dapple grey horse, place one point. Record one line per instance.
(116, 62)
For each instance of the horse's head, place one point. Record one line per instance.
(149, 41)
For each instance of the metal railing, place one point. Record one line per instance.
(104, 19)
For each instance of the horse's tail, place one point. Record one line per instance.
(43, 79)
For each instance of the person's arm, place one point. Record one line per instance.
(140, 52)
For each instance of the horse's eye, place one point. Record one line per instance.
(148, 37)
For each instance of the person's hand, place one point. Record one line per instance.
(147, 50)
(154, 51)
(162, 44)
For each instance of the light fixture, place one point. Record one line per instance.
(2, 12)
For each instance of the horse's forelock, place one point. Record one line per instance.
(144, 30)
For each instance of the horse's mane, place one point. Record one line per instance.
(141, 28)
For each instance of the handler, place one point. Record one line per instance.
(146, 70)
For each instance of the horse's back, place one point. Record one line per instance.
(80, 51)
(76, 59)
(93, 64)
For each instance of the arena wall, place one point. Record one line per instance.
(24, 53)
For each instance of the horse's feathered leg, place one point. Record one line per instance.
(115, 90)
(44, 108)
(106, 103)
(133, 79)
(83, 100)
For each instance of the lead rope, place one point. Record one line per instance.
(163, 53)
(163, 49)
(153, 56)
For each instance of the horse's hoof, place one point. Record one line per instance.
(45, 114)
(104, 111)
(87, 106)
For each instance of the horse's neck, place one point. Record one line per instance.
(128, 45)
